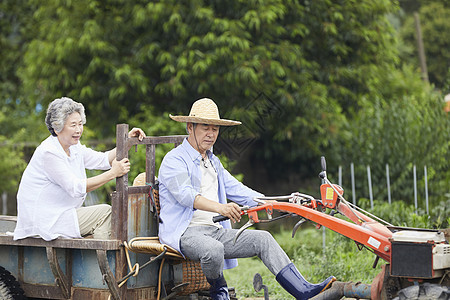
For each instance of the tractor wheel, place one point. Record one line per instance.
(424, 291)
(9, 287)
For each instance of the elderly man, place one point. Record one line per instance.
(194, 186)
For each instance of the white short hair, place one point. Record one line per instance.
(58, 111)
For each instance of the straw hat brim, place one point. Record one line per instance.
(189, 119)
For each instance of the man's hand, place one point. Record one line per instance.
(230, 210)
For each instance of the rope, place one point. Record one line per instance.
(134, 270)
(159, 278)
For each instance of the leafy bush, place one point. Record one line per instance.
(12, 165)
(402, 124)
(398, 213)
(434, 21)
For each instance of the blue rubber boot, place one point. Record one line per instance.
(219, 288)
(293, 282)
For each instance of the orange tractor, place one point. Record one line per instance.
(417, 260)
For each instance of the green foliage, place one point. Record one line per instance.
(12, 163)
(435, 27)
(13, 38)
(305, 77)
(154, 124)
(384, 210)
(398, 213)
(440, 215)
(16, 116)
(167, 54)
(18, 129)
(11, 167)
(403, 123)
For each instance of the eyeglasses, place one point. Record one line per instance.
(205, 163)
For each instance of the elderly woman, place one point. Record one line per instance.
(54, 184)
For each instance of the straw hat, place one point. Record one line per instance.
(204, 111)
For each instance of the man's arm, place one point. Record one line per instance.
(175, 181)
(230, 210)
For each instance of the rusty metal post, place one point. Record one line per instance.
(415, 187)
(352, 175)
(369, 183)
(388, 183)
(426, 187)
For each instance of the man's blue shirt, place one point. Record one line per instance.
(179, 183)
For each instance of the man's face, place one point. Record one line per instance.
(202, 136)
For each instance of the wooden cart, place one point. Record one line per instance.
(90, 268)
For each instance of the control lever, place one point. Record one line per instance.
(323, 162)
(258, 285)
(299, 223)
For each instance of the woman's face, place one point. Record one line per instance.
(72, 131)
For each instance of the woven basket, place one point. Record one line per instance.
(193, 274)
(191, 270)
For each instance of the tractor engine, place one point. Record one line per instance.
(419, 254)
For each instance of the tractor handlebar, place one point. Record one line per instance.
(219, 218)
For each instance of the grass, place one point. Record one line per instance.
(341, 258)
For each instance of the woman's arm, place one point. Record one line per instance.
(118, 168)
(111, 155)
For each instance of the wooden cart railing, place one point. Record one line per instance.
(120, 203)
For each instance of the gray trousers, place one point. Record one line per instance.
(210, 245)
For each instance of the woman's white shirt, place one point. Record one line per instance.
(52, 187)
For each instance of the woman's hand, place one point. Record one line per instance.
(120, 168)
(137, 132)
